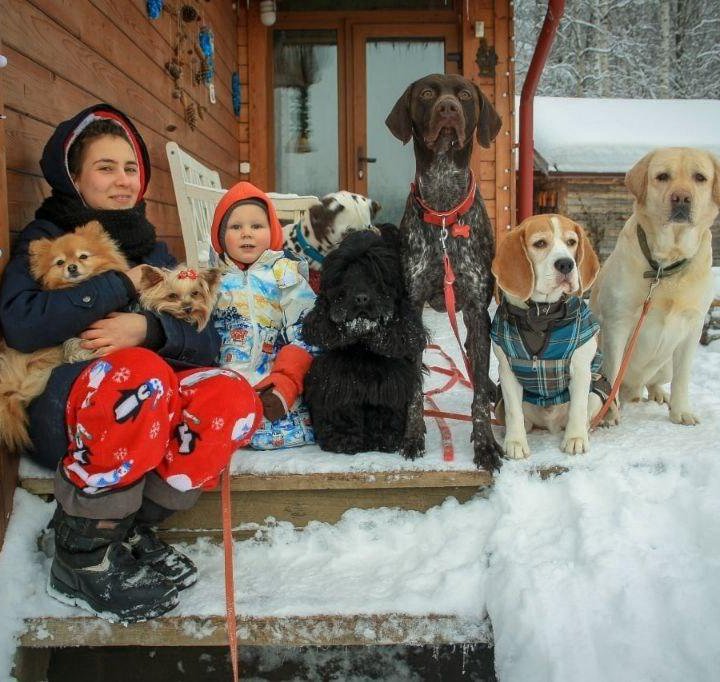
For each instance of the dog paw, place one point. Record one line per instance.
(684, 417)
(575, 445)
(659, 395)
(612, 416)
(412, 448)
(488, 457)
(516, 448)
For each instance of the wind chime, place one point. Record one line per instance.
(194, 48)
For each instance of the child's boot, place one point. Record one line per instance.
(95, 570)
(149, 549)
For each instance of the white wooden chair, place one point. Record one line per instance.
(198, 191)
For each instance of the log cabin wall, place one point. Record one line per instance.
(64, 56)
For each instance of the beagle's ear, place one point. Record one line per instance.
(587, 261)
(489, 122)
(636, 179)
(716, 182)
(399, 121)
(512, 267)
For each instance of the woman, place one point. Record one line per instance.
(137, 433)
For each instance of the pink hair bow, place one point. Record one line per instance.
(187, 274)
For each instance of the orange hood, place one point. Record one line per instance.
(240, 192)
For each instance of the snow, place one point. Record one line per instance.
(610, 571)
(575, 134)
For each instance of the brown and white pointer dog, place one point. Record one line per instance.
(442, 113)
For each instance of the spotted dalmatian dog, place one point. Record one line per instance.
(328, 223)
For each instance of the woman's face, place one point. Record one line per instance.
(109, 177)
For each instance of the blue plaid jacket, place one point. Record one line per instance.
(545, 377)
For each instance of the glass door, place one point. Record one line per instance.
(387, 60)
(305, 86)
(335, 80)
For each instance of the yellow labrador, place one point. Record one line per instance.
(677, 195)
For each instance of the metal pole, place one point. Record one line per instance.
(542, 49)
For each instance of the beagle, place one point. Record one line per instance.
(543, 334)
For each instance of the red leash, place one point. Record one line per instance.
(230, 616)
(627, 356)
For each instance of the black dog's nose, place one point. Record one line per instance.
(564, 265)
(361, 298)
(72, 268)
(448, 106)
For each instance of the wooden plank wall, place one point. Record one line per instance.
(8, 466)
(493, 166)
(67, 54)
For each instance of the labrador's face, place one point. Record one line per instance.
(679, 186)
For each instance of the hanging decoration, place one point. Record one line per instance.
(236, 100)
(207, 67)
(154, 8)
(191, 115)
(296, 66)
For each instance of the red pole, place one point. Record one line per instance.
(527, 144)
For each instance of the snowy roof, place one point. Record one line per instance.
(610, 135)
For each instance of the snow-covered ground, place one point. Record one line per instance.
(610, 571)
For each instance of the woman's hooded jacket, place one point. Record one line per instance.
(32, 318)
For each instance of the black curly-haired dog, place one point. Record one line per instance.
(360, 388)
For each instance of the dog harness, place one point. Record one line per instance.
(307, 248)
(543, 369)
(450, 220)
(658, 271)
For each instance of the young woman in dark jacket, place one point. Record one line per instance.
(139, 432)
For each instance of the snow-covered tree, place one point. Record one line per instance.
(626, 48)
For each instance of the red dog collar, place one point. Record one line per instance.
(448, 219)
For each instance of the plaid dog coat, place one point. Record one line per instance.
(545, 375)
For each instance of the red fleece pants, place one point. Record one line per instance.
(130, 413)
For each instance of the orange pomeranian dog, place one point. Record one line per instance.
(56, 264)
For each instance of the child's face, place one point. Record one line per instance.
(248, 234)
(109, 177)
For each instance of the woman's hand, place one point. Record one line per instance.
(114, 332)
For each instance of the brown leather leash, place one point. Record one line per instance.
(230, 615)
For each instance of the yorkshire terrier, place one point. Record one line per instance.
(184, 293)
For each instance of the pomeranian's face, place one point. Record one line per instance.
(74, 257)
(184, 293)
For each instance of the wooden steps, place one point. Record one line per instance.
(323, 630)
(257, 500)
(301, 498)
